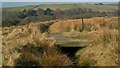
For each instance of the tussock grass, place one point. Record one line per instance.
(105, 36)
(55, 60)
(102, 48)
(29, 46)
(42, 55)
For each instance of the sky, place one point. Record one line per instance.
(60, 0)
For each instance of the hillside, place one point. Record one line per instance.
(36, 43)
(18, 8)
(107, 7)
(111, 7)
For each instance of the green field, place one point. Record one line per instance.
(19, 8)
(107, 7)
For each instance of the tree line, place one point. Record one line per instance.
(11, 18)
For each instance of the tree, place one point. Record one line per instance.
(101, 4)
(48, 11)
(31, 12)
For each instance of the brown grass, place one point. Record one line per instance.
(91, 24)
(100, 32)
(45, 56)
(55, 60)
(104, 36)
(102, 51)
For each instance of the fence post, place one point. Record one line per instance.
(82, 24)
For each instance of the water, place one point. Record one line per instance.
(17, 4)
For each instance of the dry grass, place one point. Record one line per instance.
(55, 60)
(105, 36)
(91, 24)
(100, 32)
(42, 55)
(102, 51)
(17, 36)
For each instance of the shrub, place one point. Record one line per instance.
(48, 11)
(10, 22)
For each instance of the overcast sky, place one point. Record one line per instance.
(60, 0)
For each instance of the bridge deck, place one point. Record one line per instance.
(67, 41)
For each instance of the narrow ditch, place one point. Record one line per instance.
(70, 51)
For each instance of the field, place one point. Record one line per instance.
(60, 35)
(87, 6)
(32, 44)
(19, 8)
(107, 7)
